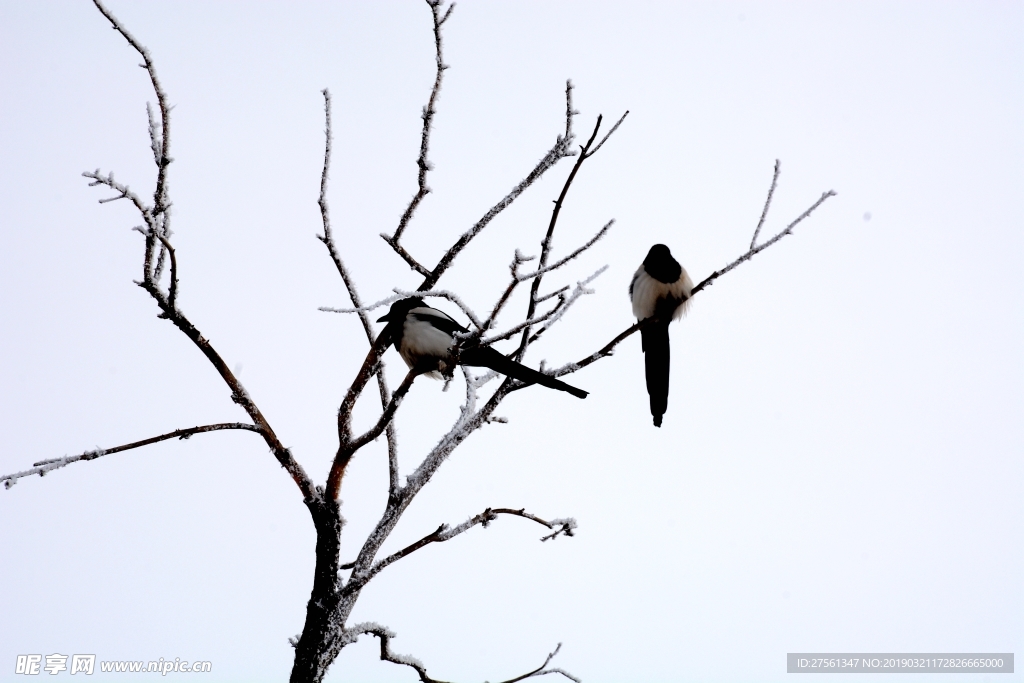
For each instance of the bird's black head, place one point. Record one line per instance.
(660, 265)
(401, 307)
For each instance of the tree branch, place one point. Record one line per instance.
(349, 446)
(756, 250)
(172, 291)
(384, 635)
(609, 348)
(328, 239)
(445, 533)
(767, 204)
(552, 316)
(406, 256)
(44, 466)
(158, 232)
(422, 162)
(546, 243)
(560, 150)
(160, 140)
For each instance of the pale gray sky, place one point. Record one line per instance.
(840, 467)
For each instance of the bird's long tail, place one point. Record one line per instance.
(487, 357)
(654, 338)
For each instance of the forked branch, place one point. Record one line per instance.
(350, 446)
(157, 234)
(609, 348)
(445, 533)
(384, 635)
(350, 286)
(586, 151)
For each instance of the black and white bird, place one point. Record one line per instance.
(425, 338)
(660, 289)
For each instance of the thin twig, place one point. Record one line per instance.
(402, 294)
(757, 250)
(561, 149)
(386, 415)
(607, 135)
(386, 653)
(767, 204)
(172, 292)
(517, 260)
(547, 243)
(44, 466)
(406, 256)
(566, 303)
(558, 264)
(124, 192)
(515, 329)
(542, 670)
(422, 162)
(555, 293)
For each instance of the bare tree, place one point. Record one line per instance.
(337, 585)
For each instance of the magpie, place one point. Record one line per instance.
(425, 338)
(660, 289)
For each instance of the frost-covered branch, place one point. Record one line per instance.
(172, 290)
(560, 150)
(552, 316)
(558, 264)
(607, 135)
(609, 348)
(445, 533)
(325, 215)
(402, 294)
(543, 669)
(517, 260)
(157, 233)
(518, 278)
(384, 635)
(160, 142)
(350, 286)
(44, 466)
(123, 192)
(767, 204)
(753, 251)
(422, 162)
(512, 331)
(586, 151)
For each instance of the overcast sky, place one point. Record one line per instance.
(840, 467)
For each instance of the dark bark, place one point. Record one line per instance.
(321, 610)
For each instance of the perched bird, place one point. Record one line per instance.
(660, 289)
(425, 338)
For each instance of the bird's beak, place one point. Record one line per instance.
(384, 318)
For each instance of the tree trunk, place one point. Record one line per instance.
(310, 665)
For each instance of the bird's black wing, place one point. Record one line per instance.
(437, 319)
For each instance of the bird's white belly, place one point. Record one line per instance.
(647, 292)
(421, 340)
